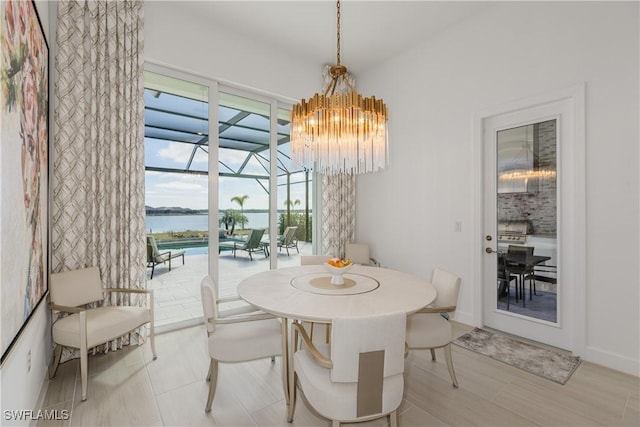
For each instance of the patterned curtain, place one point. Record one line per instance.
(338, 213)
(98, 216)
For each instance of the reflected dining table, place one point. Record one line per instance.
(525, 264)
(305, 294)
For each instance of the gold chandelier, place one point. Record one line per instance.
(339, 132)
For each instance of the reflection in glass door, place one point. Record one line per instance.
(526, 261)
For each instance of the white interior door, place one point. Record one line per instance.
(528, 175)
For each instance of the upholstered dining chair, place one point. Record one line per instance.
(314, 259)
(85, 328)
(358, 376)
(313, 327)
(236, 338)
(430, 328)
(359, 253)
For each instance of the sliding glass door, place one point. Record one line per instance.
(225, 198)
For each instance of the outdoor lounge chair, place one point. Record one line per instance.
(155, 257)
(288, 239)
(251, 245)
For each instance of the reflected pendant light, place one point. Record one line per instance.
(339, 131)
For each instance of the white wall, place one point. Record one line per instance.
(512, 51)
(175, 37)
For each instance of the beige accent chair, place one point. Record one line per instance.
(430, 327)
(359, 253)
(155, 257)
(85, 328)
(236, 337)
(358, 376)
(288, 239)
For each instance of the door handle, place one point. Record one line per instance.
(489, 250)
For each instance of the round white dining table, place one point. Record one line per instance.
(305, 294)
(290, 293)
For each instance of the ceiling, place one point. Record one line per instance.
(372, 31)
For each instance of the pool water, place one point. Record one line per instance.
(199, 250)
(196, 251)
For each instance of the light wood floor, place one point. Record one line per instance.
(127, 388)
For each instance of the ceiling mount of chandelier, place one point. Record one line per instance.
(339, 131)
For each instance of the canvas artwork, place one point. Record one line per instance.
(24, 84)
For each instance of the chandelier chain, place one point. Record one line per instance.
(338, 29)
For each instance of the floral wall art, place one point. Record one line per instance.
(24, 84)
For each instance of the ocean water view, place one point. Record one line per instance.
(176, 223)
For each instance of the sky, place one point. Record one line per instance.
(191, 190)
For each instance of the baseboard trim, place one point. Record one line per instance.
(613, 361)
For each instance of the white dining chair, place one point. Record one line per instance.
(359, 253)
(430, 327)
(359, 375)
(316, 331)
(314, 259)
(236, 338)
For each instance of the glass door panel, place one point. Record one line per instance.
(295, 200)
(243, 189)
(176, 192)
(527, 220)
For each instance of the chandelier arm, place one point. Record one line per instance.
(331, 87)
(344, 79)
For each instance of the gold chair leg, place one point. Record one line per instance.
(433, 354)
(335, 423)
(284, 360)
(213, 379)
(447, 352)
(292, 397)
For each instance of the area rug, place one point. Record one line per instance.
(545, 363)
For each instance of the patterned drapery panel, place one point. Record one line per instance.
(338, 212)
(98, 216)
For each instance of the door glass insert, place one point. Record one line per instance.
(526, 185)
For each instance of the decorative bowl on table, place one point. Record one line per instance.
(337, 267)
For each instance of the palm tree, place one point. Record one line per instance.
(240, 200)
(291, 203)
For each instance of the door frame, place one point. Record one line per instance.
(573, 219)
